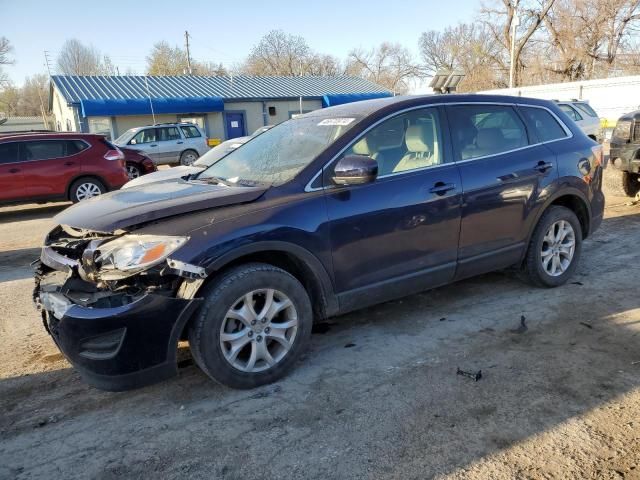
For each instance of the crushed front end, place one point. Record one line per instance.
(115, 304)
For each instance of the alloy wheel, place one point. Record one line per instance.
(259, 330)
(133, 172)
(189, 158)
(87, 190)
(558, 248)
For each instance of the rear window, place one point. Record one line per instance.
(573, 115)
(168, 133)
(190, 132)
(586, 108)
(9, 152)
(543, 123)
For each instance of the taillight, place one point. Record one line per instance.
(114, 154)
(598, 155)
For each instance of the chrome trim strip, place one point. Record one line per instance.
(54, 260)
(566, 129)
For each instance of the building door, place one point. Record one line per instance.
(234, 124)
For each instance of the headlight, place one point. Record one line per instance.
(132, 253)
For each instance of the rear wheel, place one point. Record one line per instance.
(554, 248)
(85, 188)
(188, 157)
(255, 322)
(630, 183)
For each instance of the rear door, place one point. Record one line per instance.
(170, 144)
(50, 165)
(504, 171)
(12, 182)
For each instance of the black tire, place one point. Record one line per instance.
(81, 185)
(188, 157)
(134, 171)
(220, 296)
(534, 271)
(630, 184)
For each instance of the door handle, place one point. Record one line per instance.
(68, 164)
(440, 188)
(542, 167)
(180, 142)
(14, 170)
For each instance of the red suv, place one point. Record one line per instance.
(58, 166)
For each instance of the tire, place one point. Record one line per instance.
(535, 271)
(134, 171)
(630, 184)
(220, 316)
(85, 188)
(188, 157)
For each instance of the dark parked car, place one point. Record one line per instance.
(43, 167)
(137, 163)
(329, 212)
(625, 151)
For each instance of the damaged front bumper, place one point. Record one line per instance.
(115, 340)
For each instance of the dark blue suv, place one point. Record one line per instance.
(329, 212)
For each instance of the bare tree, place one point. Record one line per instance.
(390, 65)
(75, 58)
(5, 51)
(166, 60)
(278, 53)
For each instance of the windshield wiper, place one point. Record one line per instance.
(217, 180)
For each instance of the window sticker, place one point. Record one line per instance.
(336, 121)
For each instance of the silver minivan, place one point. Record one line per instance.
(167, 142)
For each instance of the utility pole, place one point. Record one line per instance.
(186, 41)
(515, 21)
(47, 62)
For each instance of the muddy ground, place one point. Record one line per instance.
(376, 396)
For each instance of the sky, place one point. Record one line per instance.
(220, 31)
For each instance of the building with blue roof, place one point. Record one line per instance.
(224, 106)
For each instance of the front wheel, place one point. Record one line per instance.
(133, 171)
(255, 322)
(554, 248)
(188, 157)
(630, 183)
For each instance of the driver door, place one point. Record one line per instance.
(398, 234)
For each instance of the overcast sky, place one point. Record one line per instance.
(220, 31)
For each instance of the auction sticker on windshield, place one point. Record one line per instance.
(336, 121)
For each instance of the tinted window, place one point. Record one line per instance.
(9, 152)
(170, 133)
(573, 115)
(144, 136)
(406, 142)
(586, 108)
(480, 130)
(190, 132)
(543, 123)
(44, 149)
(75, 146)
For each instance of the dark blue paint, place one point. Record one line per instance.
(234, 125)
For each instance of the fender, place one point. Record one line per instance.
(302, 254)
(565, 191)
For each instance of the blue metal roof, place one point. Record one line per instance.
(78, 88)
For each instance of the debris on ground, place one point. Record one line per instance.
(349, 345)
(585, 324)
(523, 326)
(473, 375)
(577, 283)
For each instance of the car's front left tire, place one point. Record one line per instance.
(255, 322)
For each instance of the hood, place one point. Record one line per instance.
(125, 208)
(161, 175)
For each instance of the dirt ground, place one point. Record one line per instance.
(376, 396)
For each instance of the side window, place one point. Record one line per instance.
(9, 152)
(147, 135)
(75, 146)
(44, 149)
(190, 132)
(586, 108)
(573, 115)
(481, 130)
(408, 141)
(168, 133)
(543, 123)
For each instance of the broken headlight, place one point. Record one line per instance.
(130, 254)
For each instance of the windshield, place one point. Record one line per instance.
(279, 154)
(124, 138)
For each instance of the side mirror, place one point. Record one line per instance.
(355, 170)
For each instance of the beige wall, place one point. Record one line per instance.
(63, 112)
(124, 122)
(283, 109)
